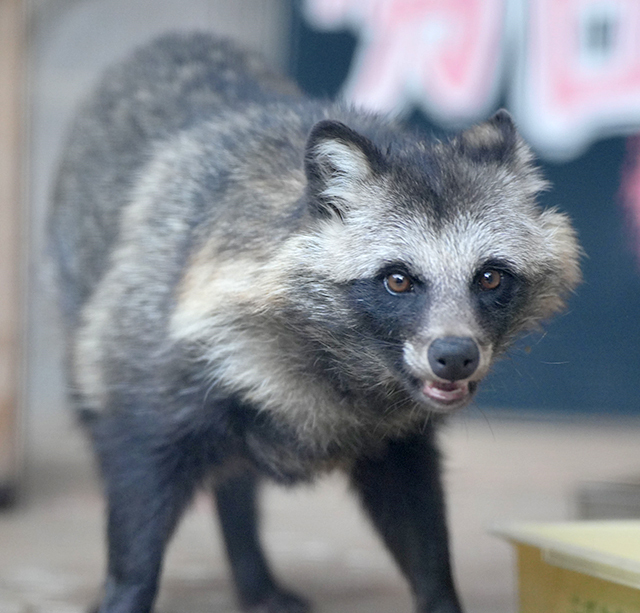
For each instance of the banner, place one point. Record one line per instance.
(570, 69)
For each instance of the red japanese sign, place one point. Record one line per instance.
(571, 68)
(440, 54)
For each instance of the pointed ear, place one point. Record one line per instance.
(497, 141)
(337, 161)
(493, 140)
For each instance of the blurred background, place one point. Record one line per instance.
(554, 433)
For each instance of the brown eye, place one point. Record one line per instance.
(490, 279)
(398, 283)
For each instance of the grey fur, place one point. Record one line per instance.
(220, 241)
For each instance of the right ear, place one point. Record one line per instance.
(337, 161)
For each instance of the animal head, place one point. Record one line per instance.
(424, 260)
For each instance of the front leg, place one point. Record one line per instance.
(402, 492)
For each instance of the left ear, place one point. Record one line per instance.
(337, 161)
(497, 140)
(490, 140)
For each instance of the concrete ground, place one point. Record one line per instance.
(497, 469)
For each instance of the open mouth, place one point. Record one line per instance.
(448, 392)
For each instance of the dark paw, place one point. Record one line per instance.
(279, 602)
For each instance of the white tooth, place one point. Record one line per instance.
(446, 395)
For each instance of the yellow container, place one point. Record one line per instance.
(577, 567)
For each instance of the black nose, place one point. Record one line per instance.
(454, 357)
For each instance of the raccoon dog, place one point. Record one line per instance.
(257, 285)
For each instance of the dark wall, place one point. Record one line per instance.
(588, 359)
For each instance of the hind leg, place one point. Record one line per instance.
(257, 590)
(147, 491)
